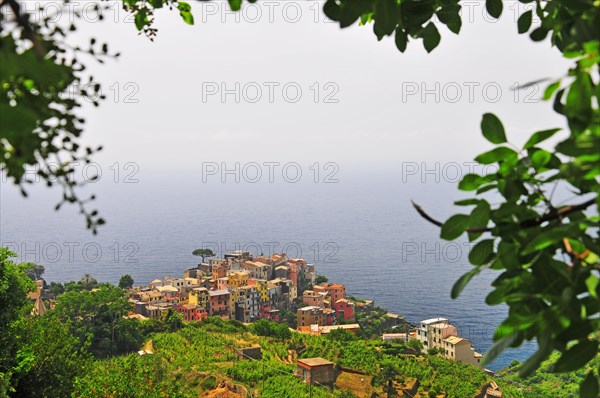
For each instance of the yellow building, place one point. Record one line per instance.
(199, 296)
(263, 288)
(238, 278)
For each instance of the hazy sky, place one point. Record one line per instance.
(371, 110)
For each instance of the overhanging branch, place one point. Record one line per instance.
(555, 215)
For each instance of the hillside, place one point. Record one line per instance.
(200, 360)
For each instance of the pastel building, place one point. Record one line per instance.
(309, 315)
(257, 269)
(219, 302)
(461, 350)
(312, 298)
(245, 303)
(344, 309)
(425, 331)
(336, 290)
(191, 312)
(199, 296)
(238, 278)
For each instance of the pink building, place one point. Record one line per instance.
(344, 309)
(191, 312)
(336, 291)
(313, 298)
(219, 302)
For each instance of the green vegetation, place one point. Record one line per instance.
(203, 253)
(183, 361)
(34, 271)
(264, 327)
(547, 251)
(546, 382)
(14, 288)
(97, 320)
(373, 321)
(126, 281)
(86, 348)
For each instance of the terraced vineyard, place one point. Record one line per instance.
(200, 360)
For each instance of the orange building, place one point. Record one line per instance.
(219, 271)
(336, 290)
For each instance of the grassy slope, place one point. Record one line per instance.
(195, 359)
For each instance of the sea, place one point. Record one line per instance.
(357, 226)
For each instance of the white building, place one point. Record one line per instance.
(425, 331)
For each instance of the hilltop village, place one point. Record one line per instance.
(246, 288)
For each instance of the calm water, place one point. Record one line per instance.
(361, 232)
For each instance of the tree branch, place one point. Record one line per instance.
(553, 215)
(23, 21)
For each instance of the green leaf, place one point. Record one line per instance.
(577, 356)
(350, 12)
(494, 8)
(524, 22)
(386, 17)
(454, 226)
(551, 89)
(332, 10)
(401, 39)
(469, 182)
(486, 188)
(539, 34)
(546, 239)
(141, 19)
(578, 106)
(462, 282)
(416, 13)
(589, 387)
(157, 3)
(480, 216)
(492, 129)
(497, 155)
(431, 37)
(544, 350)
(508, 254)
(592, 282)
(540, 136)
(185, 10)
(235, 5)
(467, 202)
(498, 348)
(449, 15)
(482, 253)
(540, 158)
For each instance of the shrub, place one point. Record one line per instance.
(210, 383)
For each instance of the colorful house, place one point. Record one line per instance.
(344, 309)
(191, 312)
